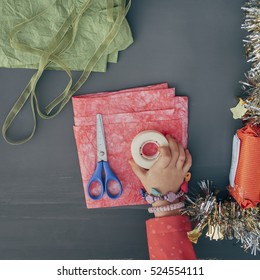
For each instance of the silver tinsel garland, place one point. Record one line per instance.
(222, 218)
(251, 87)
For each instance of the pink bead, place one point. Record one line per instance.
(170, 196)
(149, 199)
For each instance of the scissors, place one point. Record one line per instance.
(103, 174)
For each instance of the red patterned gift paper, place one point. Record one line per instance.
(125, 114)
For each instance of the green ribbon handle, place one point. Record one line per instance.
(110, 10)
(61, 42)
(122, 11)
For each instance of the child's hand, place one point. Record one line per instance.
(168, 172)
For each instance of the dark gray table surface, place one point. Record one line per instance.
(195, 46)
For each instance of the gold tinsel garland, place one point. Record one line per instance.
(222, 218)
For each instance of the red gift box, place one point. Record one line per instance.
(246, 185)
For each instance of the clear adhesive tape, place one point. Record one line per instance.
(138, 143)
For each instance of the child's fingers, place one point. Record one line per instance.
(188, 162)
(182, 157)
(139, 171)
(164, 158)
(173, 145)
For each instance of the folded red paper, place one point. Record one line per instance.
(125, 114)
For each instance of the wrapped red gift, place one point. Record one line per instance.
(245, 185)
(125, 114)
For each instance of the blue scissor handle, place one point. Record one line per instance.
(110, 176)
(97, 177)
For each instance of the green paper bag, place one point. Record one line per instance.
(59, 34)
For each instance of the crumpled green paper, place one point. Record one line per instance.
(59, 34)
(93, 27)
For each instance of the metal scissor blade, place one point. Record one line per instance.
(101, 141)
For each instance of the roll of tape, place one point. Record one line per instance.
(138, 143)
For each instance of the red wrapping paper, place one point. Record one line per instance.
(125, 114)
(246, 188)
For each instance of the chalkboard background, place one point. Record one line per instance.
(195, 46)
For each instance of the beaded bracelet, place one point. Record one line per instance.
(166, 208)
(170, 196)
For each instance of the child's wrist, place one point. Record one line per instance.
(155, 197)
(163, 202)
(168, 204)
(174, 212)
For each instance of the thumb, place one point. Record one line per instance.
(139, 171)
